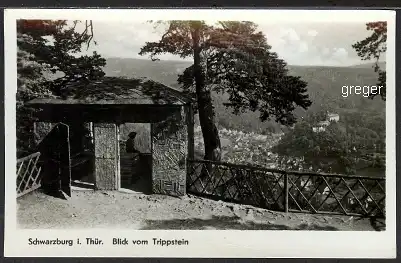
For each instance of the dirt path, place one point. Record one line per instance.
(87, 209)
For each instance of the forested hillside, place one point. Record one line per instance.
(324, 88)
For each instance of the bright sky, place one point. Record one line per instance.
(298, 43)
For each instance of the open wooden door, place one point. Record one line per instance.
(107, 175)
(55, 156)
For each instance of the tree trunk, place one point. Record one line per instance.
(205, 105)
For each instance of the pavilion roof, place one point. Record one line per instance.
(116, 90)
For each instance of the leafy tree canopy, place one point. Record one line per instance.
(46, 47)
(50, 46)
(358, 139)
(236, 59)
(372, 48)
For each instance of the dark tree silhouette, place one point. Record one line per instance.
(233, 58)
(372, 48)
(46, 47)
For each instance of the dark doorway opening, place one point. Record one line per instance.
(135, 157)
(82, 155)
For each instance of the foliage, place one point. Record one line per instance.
(54, 45)
(324, 89)
(238, 62)
(373, 47)
(46, 47)
(231, 58)
(343, 147)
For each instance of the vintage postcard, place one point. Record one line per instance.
(200, 133)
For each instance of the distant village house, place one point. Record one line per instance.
(333, 117)
(321, 126)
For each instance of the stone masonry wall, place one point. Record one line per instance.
(170, 146)
(41, 129)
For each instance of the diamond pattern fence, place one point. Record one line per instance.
(288, 191)
(28, 174)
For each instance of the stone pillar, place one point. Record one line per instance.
(169, 150)
(107, 175)
(190, 126)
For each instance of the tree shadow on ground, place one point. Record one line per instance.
(225, 223)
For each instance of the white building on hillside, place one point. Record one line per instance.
(318, 129)
(323, 123)
(321, 126)
(333, 117)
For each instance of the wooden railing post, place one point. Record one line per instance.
(286, 194)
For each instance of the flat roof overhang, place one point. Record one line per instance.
(113, 111)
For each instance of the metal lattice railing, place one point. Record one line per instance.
(286, 190)
(28, 174)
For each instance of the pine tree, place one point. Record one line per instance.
(47, 47)
(373, 47)
(233, 58)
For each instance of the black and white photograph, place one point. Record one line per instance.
(272, 122)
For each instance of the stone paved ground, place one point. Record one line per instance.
(88, 209)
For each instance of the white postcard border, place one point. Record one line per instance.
(202, 243)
